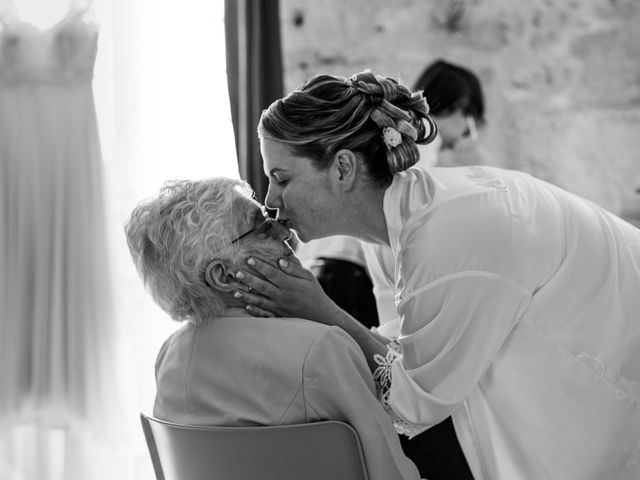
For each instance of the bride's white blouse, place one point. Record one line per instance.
(520, 316)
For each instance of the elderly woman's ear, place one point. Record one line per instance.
(219, 275)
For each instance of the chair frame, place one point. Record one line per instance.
(328, 449)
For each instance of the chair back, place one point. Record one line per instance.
(326, 450)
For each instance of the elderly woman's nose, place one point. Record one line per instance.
(281, 232)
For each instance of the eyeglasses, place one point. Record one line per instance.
(263, 227)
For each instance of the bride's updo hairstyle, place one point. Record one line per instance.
(368, 114)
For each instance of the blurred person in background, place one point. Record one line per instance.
(456, 104)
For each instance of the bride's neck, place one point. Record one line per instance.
(363, 215)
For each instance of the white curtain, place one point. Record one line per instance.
(163, 113)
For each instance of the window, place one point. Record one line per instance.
(162, 101)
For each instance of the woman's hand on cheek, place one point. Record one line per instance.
(288, 290)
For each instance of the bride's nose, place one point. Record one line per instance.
(272, 201)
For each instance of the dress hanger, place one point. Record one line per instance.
(80, 5)
(81, 8)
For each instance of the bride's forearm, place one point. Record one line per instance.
(370, 343)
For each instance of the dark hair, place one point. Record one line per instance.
(449, 88)
(329, 113)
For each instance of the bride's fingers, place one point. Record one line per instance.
(285, 289)
(286, 267)
(257, 284)
(258, 312)
(256, 304)
(293, 267)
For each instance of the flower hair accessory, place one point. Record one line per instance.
(391, 137)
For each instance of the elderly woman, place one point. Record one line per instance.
(224, 367)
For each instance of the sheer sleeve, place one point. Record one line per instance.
(436, 367)
(460, 295)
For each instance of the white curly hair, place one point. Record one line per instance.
(173, 237)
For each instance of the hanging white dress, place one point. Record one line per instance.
(56, 323)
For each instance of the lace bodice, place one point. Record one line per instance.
(65, 51)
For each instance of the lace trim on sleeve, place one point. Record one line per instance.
(382, 378)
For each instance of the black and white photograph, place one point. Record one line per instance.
(319, 240)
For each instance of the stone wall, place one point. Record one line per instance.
(561, 77)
